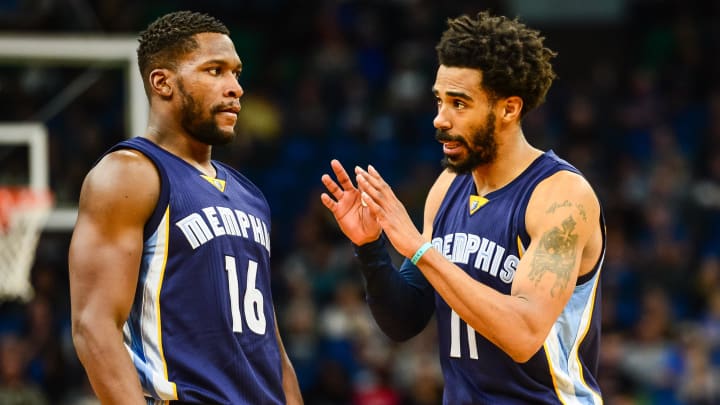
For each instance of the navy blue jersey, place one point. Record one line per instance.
(202, 327)
(486, 237)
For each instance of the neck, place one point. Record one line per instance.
(514, 155)
(178, 142)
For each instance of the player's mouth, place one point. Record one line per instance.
(229, 111)
(233, 109)
(451, 143)
(452, 147)
(227, 114)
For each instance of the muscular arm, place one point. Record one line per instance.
(561, 219)
(116, 199)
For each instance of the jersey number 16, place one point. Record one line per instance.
(252, 300)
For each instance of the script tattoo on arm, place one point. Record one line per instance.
(555, 206)
(568, 204)
(556, 254)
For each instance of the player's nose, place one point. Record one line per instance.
(441, 121)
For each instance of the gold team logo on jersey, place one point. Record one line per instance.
(219, 184)
(476, 202)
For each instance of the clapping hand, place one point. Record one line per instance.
(389, 212)
(347, 206)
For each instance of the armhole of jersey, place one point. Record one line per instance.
(587, 277)
(163, 200)
(164, 197)
(441, 202)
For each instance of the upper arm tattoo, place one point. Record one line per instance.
(556, 254)
(568, 204)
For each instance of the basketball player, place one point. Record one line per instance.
(170, 256)
(513, 240)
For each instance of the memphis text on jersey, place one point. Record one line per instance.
(481, 253)
(212, 222)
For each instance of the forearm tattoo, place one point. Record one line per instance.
(556, 254)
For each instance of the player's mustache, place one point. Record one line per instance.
(225, 107)
(444, 136)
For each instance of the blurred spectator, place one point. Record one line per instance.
(650, 357)
(333, 385)
(15, 387)
(700, 381)
(351, 80)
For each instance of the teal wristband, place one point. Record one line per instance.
(421, 251)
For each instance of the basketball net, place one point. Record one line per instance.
(23, 213)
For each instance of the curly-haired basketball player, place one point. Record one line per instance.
(513, 240)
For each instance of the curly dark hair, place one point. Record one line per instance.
(171, 36)
(511, 56)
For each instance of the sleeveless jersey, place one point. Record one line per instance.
(202, 328)
(487, 239)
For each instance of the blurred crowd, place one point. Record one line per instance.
(636, 108)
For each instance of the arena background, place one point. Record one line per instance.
(636, 107)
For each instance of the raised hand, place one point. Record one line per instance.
(351, 214)
(391, 214)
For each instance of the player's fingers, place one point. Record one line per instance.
(367, 188)
(370, 203)
(328, 202)
(375, 182)
(342, 175)
(377, 179)
(331, 186)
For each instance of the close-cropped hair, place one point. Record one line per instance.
(511, 56)
(171, 36)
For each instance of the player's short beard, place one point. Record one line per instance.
(482, 151)
(199, 125)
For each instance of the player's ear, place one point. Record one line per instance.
(160, 83)
(512, 107)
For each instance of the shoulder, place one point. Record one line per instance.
(565, 182)
(435, 197)
(123, 167)
(564, 195)
(125, 177)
